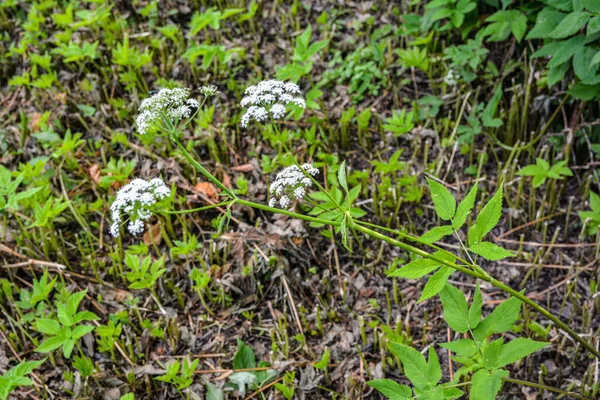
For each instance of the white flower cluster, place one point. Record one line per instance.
(135, 199)
(452, 77)
(208, 91)
(167, 103)
(291, 183)
(270, 97)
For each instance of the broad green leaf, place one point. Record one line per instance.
(213, 392)
(475, 309)
(490, 251)
(531, 170)
(436, 283)
(464, 208)
(487, 219)
(434, 371)
(68, 346)
(23, 368)
(547, 19)
(64, 315)
(594, 202)
(455, 308)
(48, 326)
(81, 331)
(584, 68)
(444, 202)
(416, 269)
(391, 390)
(244, 356)
(486, 384)
(500, 320)
(50, 344)
(75, 300)
(593, 26)
(414, 364)
(517, 349)
(462, 347)
(571, 24)
(436, 234)
(492, 352)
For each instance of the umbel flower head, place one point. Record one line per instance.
(270, 98)
(173, 104)
(135, 200)
(290, 184)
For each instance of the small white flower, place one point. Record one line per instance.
(208, 91)
(270, 97)
(167, 103)
(135, 200)
(291, 183)
(452, 77)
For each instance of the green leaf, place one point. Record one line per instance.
(434, 371)
(487, 219)
(75, 300)
(487, 384)
(416, 269)
(342, 176)
(492, 352)
(462, 347)
(64, 315)
(414, 364)
(593, 26)
(475, 309)
(570, 25)
(436, 234)
(455, 308)
(464, 209)
(500, 320)
(517, 349)
(324, 363)
(244, 356)
(491, 251)
(50, 344)
(81, 331)
(584, 67)
(391, 390)
(48, 326)
(68, 346)
(213, 392)
(546, 21)
(444, 202)
(436, 283)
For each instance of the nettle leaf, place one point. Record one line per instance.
(391, 389)
(462, 347)
(436, 234)
(491, 251)
(570, 25)
(500, 320)
(414, 364)
(475, 309)
(444, 202)
(464, 209)
(517, 349)
(455, 308)
(487, 219)
(486, 384)
(436, 283)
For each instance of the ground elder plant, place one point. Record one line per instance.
(480, 345)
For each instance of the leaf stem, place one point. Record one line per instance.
(544, 387)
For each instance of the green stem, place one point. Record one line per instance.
(487, 278)
(286, 212)
(201, 169)
(544, 387)
(224, 203)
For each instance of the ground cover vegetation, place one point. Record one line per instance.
(299, 199)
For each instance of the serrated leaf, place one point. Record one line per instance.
(487, 219)
(491, 251)
(416, 269)
(547, 19)
(570, 25)
(414, 364)
(486, 384)
(244, 356)
(475, 309)
(436, 283)
(50, 344)
(391, 390)
(75, 300)
(435, 234)
(464, 208)
(462, 347)
(500, 320)
(492, 352)
(455, 308)
(48, 326)
(444, 202)
(517, 349)
(81, 331)
(434, 371)
(64, 315)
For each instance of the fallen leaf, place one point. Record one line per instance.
(207, 189)
(94, 172)
(243, 168)
(153, 234)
